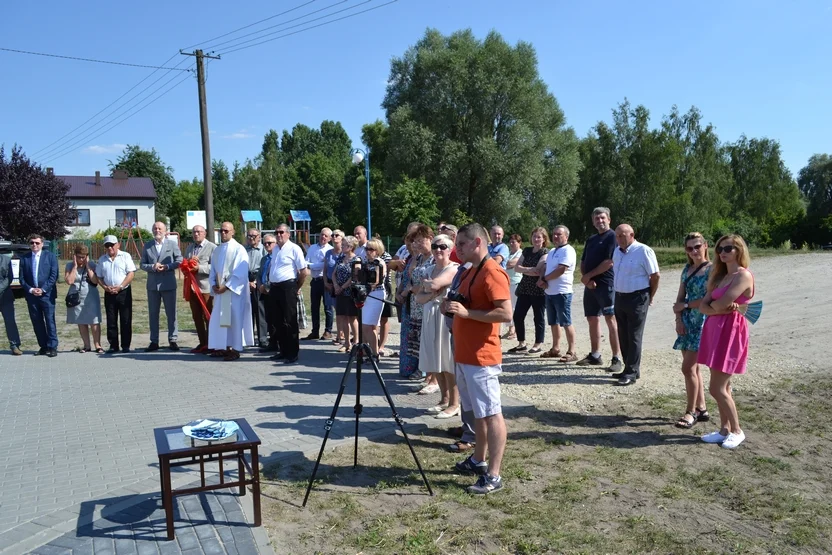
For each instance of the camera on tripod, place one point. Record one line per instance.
(365, 277)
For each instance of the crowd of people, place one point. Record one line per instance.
(453, 292)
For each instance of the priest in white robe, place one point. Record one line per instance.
(229, 330)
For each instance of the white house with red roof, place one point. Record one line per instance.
(117, 201)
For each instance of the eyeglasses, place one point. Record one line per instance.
(197, 232)
(34, 242)
(693, 247)
(439, 246)
(726, 249)
(252, 236)
(279, 232)
(268, 242)
(336, 235)
(109, 245)
(226, 231)
(370, 249)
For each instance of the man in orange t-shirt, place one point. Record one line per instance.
(478, 354)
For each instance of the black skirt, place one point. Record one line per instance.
(344, 306)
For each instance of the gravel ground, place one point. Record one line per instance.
(787, 341)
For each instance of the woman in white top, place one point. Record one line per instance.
(435, 343)
(515, 251)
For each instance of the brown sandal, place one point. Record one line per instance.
(460, 447)
(551, 353)
(230, 355)
(568, 357)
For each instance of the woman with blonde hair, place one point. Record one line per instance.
(724, 344)
(693, 287)
(435, 355)
(374, 305)
(81, 278)
(346, 314)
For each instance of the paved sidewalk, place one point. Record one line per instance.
(79, 427)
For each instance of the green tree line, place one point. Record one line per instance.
(472, 133)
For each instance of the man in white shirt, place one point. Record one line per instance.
(315, 257)
(557, 280)
(115, 271)
(636, 282)
(360, 233)
(230, 328)
(286, 276)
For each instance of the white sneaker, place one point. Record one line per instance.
(714, 437)
(733, 440)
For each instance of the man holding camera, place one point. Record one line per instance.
(478, 306)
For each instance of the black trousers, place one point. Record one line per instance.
(119, 309)
(258, 317)
(317, 294)
(284, 298)
(270, 320)
(538, 305)
(631, 315)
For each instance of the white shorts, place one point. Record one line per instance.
(371, 313)
(479, 388)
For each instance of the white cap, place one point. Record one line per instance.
(110, 239)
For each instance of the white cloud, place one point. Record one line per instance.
(243, 134)
(104, 149)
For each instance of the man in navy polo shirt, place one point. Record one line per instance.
(597, 276)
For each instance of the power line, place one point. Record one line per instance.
(49, 151)
(71, 147)
(249, 25)
(88, 59)
(279, 25)
(310, 28)
(45, 149)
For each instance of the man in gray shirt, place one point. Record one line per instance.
(7, 304)
(256, 254)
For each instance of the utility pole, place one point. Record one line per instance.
(206, 144)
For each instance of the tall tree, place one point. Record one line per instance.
(815, 182)
(475, 120)
(187, 195)
(147, 163)
(31, 200)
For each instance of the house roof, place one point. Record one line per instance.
(84, 187)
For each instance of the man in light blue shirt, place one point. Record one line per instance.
(315, 257)
(497, 249)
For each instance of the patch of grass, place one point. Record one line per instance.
(769, 465)
(667, 404)
(652, 538)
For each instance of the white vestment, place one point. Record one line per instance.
(230, 324)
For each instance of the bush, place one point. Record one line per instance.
(117, 231)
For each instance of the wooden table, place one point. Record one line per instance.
(174, 448)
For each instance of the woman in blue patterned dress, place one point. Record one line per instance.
(689, 320)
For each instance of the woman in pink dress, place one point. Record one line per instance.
(724, 344)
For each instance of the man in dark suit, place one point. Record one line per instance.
(160, 259)
(7, 304)
(38, 277)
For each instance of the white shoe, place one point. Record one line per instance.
(733, 440)
(437, 409)
(445, 415)
(428, 389)
(714, 437)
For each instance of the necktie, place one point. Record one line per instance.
(196, 249)
(35, 268)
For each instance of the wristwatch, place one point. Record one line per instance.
(686, 305)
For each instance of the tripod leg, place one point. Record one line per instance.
(358, 351)
(328, 425)
(398, 420)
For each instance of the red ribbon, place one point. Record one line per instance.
(189, 267)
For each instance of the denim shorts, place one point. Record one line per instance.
(559, 309)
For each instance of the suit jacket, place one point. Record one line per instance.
(170, 255)
(6, 274)
(47, 274)
(204, 258)
(255, 259)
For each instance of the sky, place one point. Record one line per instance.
(760, 68)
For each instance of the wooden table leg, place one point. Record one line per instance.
(255, 486)
(241, 470)
(167, 495)
(222, 474)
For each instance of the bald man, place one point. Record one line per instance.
(160, 259)
(636, 282)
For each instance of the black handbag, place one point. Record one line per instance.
(73, 298)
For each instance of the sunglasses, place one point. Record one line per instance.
(252, 236)
(279, 232)
(109, 245)
(34, 242)
(370, 249)
(226, 231)
(439, 246)
(726, 249)
(693, 247)
(268, 242)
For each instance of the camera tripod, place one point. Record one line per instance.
(357, 354)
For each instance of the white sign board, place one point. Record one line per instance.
(195, 217)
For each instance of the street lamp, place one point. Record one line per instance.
(359, 156)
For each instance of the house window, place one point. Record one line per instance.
(82, 217)
(127, 218)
